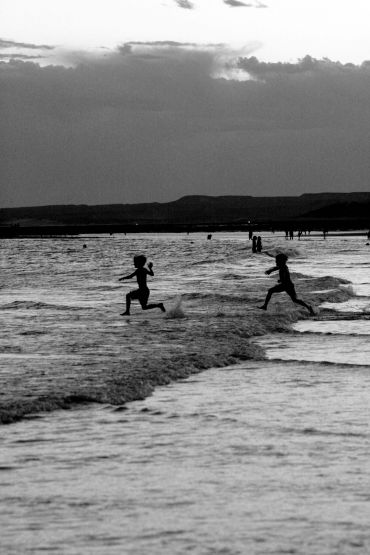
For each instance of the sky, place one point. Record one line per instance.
(127, 101)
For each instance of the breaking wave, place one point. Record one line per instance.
(348, 289)
(331, 333)
(137, 378)
(319, 363)
(176, 310)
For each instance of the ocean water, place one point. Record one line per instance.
(268, 454)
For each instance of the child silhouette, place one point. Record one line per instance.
(141, 294)
(285, 283)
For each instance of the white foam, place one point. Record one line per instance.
(176, 310)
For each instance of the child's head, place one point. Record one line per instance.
(139, 261)
(281, 259)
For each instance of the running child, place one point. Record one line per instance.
(141, 294)
(285, 283)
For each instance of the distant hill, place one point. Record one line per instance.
(195, 210)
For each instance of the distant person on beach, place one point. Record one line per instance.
(285, 283)
(141, 294)
(254, 244)
(259, 244)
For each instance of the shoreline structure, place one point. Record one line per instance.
(174, 348)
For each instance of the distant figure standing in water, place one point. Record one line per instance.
(285, 283)
(142, 294)
(259, 244)
(254, 244)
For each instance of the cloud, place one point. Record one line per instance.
(310, 67)
(238, 4)
(30, 46)
(20, 57)
(135, 128)
(186, 4)
(165, 44)
(11, 50)
(264, 69)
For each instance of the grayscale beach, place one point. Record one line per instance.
(213, 428)
(206, 161)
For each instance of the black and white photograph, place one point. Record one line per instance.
(184, 277)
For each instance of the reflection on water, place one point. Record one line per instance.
(260, 458)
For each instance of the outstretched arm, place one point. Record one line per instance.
(270, 270)
(128, 277)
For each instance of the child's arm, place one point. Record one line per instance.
(128, 277)
(150, 271)
(268, 272)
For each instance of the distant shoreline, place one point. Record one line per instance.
(313, 229)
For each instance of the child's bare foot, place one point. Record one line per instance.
(125, 313)
(263, 307)
(161, 306)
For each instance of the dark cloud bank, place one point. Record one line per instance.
(152, 124)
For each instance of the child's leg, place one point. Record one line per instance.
(270, 292)
(293, 296)
(302, 303)
(150, 306)
(144, 297)
(128, 304)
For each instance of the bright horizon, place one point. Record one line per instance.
(129, 101)
(275, 30)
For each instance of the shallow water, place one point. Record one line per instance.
(339, 348)
(258, 458)
(261, 457)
